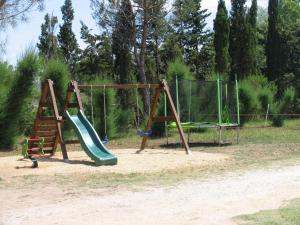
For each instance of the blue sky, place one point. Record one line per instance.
(26, 34)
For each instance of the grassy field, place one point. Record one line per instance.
(286, 215)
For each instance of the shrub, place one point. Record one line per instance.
(179, 69)
(18, 96)
(58, 72)
(6, 77)
(282, 107)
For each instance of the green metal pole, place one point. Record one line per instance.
(166, 123)
(190, 101)
(177, 98)
(219, 102)
(237, 101)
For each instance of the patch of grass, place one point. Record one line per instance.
(286, 215)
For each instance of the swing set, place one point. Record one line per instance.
(47, 129)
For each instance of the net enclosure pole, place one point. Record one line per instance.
(177, 98)
(237, 101)
(219, 102)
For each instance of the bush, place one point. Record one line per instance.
(18, 97)
(58, 72)
(255, 94)
(282, 107)
(179, 69)
(6, 77)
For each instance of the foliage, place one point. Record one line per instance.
(18, 98)
(189, 24)
(282, 107)
(179, 69)
(255, 102)
(66, 38)
(221, 39)
(96, 59)
(273, 52)
(110, 109)
(6, 77)
(48, 46)
(58, 72)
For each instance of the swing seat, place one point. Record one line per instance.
(105, 140)
(144, 133)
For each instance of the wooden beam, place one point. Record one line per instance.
(119, 86)
(177, 119)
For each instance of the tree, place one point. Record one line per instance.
(17, 99)
(221, 39)
(190, 26)
(66, 37)
(250, 41)
(48, 45)
(273, 52)
(96, 59)
(237, 37)
(122, 41)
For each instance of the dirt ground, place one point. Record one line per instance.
(212, 201)
(148, 161)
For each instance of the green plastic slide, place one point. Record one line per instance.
(90, 140)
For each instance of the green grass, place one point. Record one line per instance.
(286, 215)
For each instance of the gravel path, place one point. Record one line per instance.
(210, 202)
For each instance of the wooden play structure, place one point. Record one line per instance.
(49, 120)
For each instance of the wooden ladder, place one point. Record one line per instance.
(47, 124)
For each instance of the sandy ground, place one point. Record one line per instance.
(148, 161)
(214, 201)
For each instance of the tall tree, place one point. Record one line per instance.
(221, 39)
(96, 59)
(123, 41)
(237, 46)
(66, 37)
(48, 45)
(157, 35)
(250, 40)
(273, 52)
(190, 26)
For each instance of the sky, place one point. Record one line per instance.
(26, 34)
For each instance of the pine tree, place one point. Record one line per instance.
(122, 38)
(190, 27)
(221, 39)
(273, 42)
(48, 46)
(123, 41)
(237, 37)
(66, 37)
